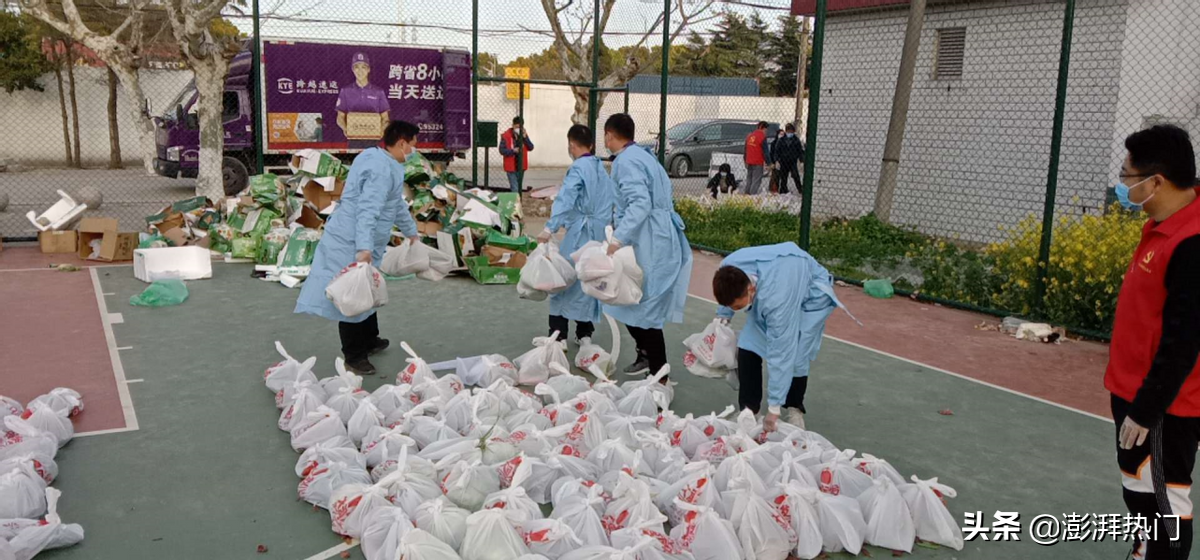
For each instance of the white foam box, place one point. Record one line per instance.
(183, 263)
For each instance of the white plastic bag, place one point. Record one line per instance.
(889, 521)
(318, 484)
(343, 379)
(287, 371)
(480, 371)
(878, 468)
(9, 407)
(64, 401)
(763, 533)
(841, 521)
(530, 473)
(492, 535)
(838, 476)
(695, 487)
(631, 505)
(545, 272)
(440, 266)
(443, 520)
(644, 398)
(391, 400)
(534, 366)
(384, 531)
(307, 398)
(468, 484)
(933, 521)
(353, 504)
(417, 371)
(580, 513)
(22, 493)
(318, 426)
(41, 416)
(43, 465)
(715, 346)
(366, 417)
(406, 258)
(47, 534)
(549, 537)
(358, 288)
(798, 505)
(591, 354)
(419, 545)
(515, 501)
(21, 437)
(567, 385)
(337, 449)
(345, 400)
(703, 532)
(615, 280)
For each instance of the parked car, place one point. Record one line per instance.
(691, 144)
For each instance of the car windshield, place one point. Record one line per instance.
(684, 130)
(184, 95)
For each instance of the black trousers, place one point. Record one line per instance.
(650, 345)
(1173, 444)
(789, 169)
(583, 329)
(750, 384)
(358, 338)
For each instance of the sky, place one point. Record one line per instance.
(448, 22)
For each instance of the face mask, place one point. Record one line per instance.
(791, 134)
(1123, 196)
(723, 174)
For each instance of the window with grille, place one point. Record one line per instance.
(948, 53)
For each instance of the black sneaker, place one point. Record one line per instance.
(361, 367)
(640, 367)
(380, 345)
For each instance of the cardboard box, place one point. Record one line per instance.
(317, 194)
(315, 163)
(484, 274)
(56, 242)
(165, 220)
(504, 258)
(114, 245)
(309, 217)
(429, 229)
(523, 243)
(364, 126)
(177, 237)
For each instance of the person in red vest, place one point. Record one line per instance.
(755, 143)
(1153, 373)
(509, 141)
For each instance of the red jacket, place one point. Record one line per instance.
(754, 147)
(508, 148)
(1137, 328)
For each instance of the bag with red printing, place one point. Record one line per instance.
(352, 504)
(64, 401)
(550, 538)
(20, 438)
(318, 483)
(287, 371)
(705, 534)
(839, 477)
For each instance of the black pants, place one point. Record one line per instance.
(359, 338)
(650, 345)
(1174, 442)
(750, 383)
(583, 329)
(789, 169)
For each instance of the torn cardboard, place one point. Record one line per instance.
(115, 245)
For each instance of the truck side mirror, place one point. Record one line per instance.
(179, 113)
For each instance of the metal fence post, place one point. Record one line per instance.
(256, 92)
(593, 97)
(662, 94)
(814, 107)
(1060, 107)
(474, 91)
(520, 147)
(626, 111)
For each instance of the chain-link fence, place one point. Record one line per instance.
(939, 185)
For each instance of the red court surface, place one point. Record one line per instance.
(21, 256)
(52, 336)
(1070, 373)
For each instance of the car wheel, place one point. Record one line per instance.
(680, 166)
(235, 175)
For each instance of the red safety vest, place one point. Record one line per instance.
(510, 162)
(1137, 328)
(754, 147)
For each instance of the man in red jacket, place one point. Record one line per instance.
(1153, 373)
(755, 142)
(513, 138)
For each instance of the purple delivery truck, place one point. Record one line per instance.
(329, 96)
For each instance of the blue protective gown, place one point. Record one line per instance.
(647, 221)
(785, 322)
(584, 206)
(372, 202)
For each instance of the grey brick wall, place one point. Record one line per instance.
(976, 149)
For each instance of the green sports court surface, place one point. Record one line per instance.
(207, 474)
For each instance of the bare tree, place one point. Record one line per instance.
(208, 48)
(77, 163)
(122, 55)
(573, 43)
(114, 133)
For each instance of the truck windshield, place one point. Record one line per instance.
(184, 95)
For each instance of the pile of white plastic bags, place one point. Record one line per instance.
(30, 437)
(445, 468)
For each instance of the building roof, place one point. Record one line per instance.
(809, 7)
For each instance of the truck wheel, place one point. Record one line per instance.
(235, 175)
(681, 166)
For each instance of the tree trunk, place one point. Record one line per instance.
(210, 86)
(581, 105)
(114, 133)
(74, 103)
(131, 81)
(62, 104)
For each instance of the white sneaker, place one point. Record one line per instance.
(795, 417)
(584, 341)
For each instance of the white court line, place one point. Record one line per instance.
(951, 373)
(104, 432)
(110, 293)
(115, 318)
(47, 268)
(334, 551)
(124, 348)
(131, 422)
(134, 380)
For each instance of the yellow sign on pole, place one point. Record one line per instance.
(519, 73)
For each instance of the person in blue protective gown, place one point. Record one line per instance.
(584, 208)
(358, 230)
(787, 296)
(646, 220)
